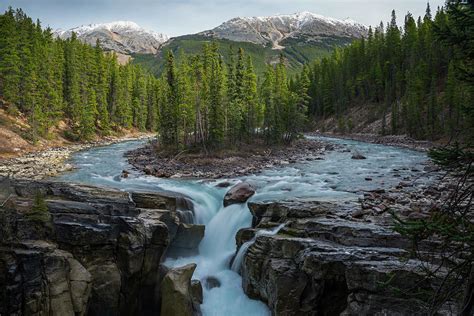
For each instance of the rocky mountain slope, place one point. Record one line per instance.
(273, 30)
(123, 37)
(300, 37)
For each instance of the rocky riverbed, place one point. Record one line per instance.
(228, 164)
(402, 141)
(101, 251)
(50, 162)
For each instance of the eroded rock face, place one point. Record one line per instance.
(189, 236)
(41, 278)
(323, 262)
(177, 292)
(239, 193)
(97, 252)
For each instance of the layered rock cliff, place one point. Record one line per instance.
(73, 250)
(325, 262)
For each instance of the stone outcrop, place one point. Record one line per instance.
(181, 296)
(325, 262)
(36, 277)
(239, 193)
(91, 251)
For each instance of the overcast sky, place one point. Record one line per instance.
(178, 17)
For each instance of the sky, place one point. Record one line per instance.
(179, 17)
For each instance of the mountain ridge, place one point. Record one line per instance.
(299, 37)
(273, 30)
(124, 37)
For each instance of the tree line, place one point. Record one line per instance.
(211, 103)
(202, 101)
(49, 80)
(411, 76)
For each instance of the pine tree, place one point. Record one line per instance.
(101, 87)
(169, 115)
(268, 97)
(10, 58)
(251, 108)
(216, 98)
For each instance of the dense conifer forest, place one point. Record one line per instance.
(412, 73)
(201, 101)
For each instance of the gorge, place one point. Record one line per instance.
(284, 164)
(323, 255)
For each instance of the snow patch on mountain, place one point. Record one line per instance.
(124, 37)
(306, 26)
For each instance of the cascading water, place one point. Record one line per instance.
(239, 257)
(335, 178)
(215, 252)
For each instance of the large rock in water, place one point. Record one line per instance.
(177, 292)
(97, 251)
(239, 193)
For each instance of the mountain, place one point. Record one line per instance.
(274, 30)
(300, 38)
(123, 37)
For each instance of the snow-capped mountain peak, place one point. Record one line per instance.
(275, 29)
(124, 37)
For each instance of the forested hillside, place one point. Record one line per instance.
(411, 78)
(50, 80)
(296, 53)
(202, 100)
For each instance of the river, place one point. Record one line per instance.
(335, 178)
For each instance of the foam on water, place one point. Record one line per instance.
(336, 178)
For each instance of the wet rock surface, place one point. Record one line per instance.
(245, 161)
(179, 294)
(97, 252)
(212, 282)
(338, 258)
(238, 194)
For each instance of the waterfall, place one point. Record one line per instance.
(333, 178)
(245, 246)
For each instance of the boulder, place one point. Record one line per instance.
(189, 236)
(224, 184)
(176, 291)
(239, 193)
(196, 293)
(358, 156)
(211, 282)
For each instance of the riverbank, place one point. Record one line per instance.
(401, 141)
(224, 164)
(50, 162)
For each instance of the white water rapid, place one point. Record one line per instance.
(337, 177)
